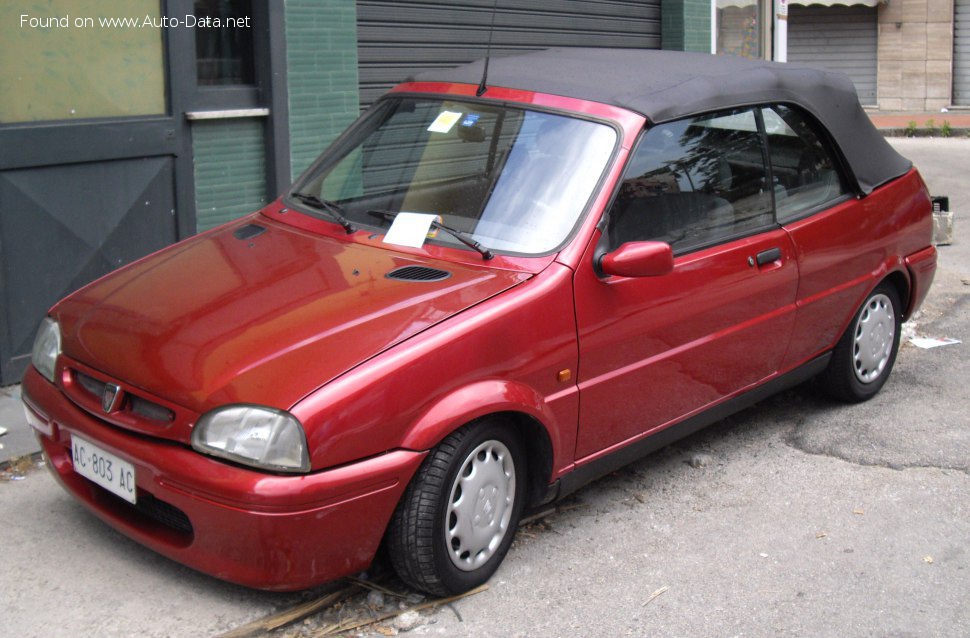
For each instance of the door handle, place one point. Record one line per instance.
(769, 256)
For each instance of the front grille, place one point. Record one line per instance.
(149, 410)
(134, 404)
(92, 385)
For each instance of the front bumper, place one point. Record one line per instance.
(255, 529)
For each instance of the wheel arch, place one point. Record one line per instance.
(538, 450)
(900, 281)
(842, 379)
(518, 406)
(891, 272)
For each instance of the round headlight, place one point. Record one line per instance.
(47, 345)
(260, 437)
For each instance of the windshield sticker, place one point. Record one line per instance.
(410, 229)
(434, 229)
(471, 119)
(444, 122)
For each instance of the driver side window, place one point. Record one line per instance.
(694, 183)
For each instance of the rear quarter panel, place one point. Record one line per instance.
(843, 252)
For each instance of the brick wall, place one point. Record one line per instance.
(915, 55)
(686, 25)
(230, 169)
(321, 66)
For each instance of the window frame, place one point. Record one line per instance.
(202, 97)
(766, 11)
(755, 110)
(824, 137)
(834, 154)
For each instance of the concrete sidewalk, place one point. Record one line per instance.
(19, 439)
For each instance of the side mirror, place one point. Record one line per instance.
(639, 259)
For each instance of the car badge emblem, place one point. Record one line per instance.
(111, 398)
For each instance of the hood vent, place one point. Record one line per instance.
(248, 231)
(418, 273)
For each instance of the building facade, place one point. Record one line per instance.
(910, 55)
(128, 125)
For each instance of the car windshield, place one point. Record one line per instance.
(510, 179)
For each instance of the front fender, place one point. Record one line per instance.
(474, 401)
(515, 352)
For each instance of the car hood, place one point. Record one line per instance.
(265, 319)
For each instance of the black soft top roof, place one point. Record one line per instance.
(669, 85)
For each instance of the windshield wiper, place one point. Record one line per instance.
(460, 235)
(331, 208)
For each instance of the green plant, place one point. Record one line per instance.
(931, 127)
(945, 129)
(911, 129)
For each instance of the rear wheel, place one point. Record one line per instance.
(456, 521)
(865, 354)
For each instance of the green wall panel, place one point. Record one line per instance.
(686, 25)
(321, 53)
(230, 169)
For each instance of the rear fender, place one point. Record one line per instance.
(893, 270)
(921, 267)
(912, 276)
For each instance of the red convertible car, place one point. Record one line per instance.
(489, 291)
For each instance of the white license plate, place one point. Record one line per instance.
(104, 468)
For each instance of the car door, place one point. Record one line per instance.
(816, 207)
(656, 349)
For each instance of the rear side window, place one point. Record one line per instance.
(694, 183)
(804, 171)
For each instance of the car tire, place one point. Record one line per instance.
(458, 516)
(864, 357)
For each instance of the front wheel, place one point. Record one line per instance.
(864, 356)
(456, 521)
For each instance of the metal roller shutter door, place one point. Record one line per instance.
(837, 38)
(399, 37)
(961, 53)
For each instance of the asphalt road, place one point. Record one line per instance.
(797, 517)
